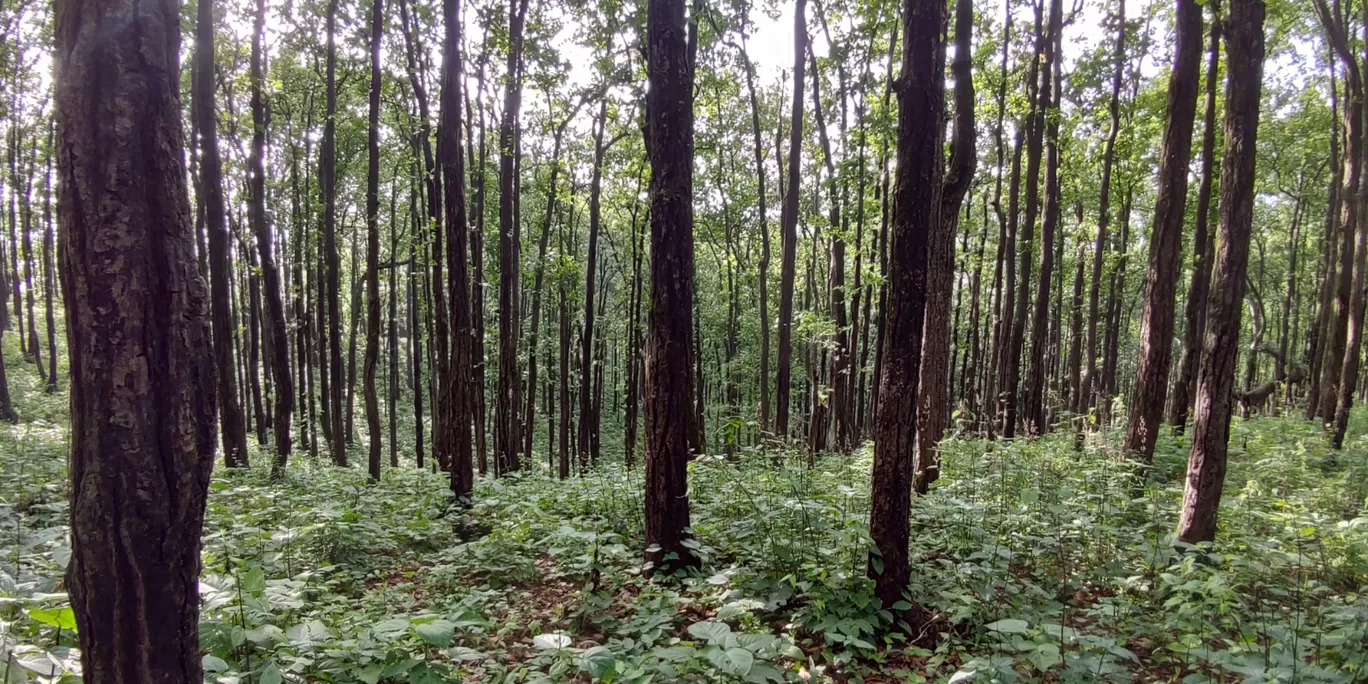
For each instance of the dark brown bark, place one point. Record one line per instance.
(1035, 410)
(669, 353)
(49, 268)
(916, 197)
(933, 394)
(506, 429)
(373, 427)
(588, 419)
(1211, 430)
(35, 348)
(1320, 332)
(1194, 312)
(1349, 373)
(138, 331)
(454, 430)
(1161, 278)
(279, 346)
(788, 225)
(1024, 232)
(331, 282)
(1332, 363)
(211, 188)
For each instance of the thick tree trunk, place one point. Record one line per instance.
(1194, 312)
(1049, 106)
(138, 331)
(916, 197)
(669, 354)
(211, 188)
(1161, 279)
(1211, 431)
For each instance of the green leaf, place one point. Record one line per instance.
(61, 618)
(214, 663)
(270, 674)
(370, 674)
(429, 673)
(1010, 626)
(709, 630)
(391, 628)
(438, 632)
(599, 662)
(733, 661)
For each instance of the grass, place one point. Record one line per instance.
(1035, 561)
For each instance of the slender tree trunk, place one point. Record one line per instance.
(373, 425)
(788, 257)
(1332, 364)
(1161, 279)
(1323, 323)
(453, 437)
(1048, 107)
(279, 346)
(138, 333)
(211, 188)
(920, 89)
(1035, 129)
(1194, 313)
(331, 281)
(1211, 431)
(49, 267)
(933, 393)
(588, 423)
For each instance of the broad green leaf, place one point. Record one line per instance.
(710, 630)
(61, 618)
(1009, 626)
(599, 662)
(271, 674)
(438, 632)
(733, 661)
(213, 663)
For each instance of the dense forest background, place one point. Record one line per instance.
(914, 360)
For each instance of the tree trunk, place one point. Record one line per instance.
(1048, 107)
(211, 188)
(1194, 312)
(49, 270)
(1320, 332)
(669, 354)
(373, 426)
(279, 346)
(1332, 364)
(453, 436)
(506, 429)
(916, 196)
(138, 331)
(588, 422)
(1034, 131)
(331, 283)
(788, 257)
(1161, 279)
(1211, 431)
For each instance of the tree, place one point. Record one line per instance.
(1050, 86)
(788, 226)
(211, 195)
(332, 387)
(669, 350)
(138, 332)
(1216, 377)
(1161, 280)
(916, 194)
(933, 394)
(454, 435)
(506, 429)
(256, 216)
(377, 33)
(1194, 312)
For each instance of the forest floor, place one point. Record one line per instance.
(1037, 561)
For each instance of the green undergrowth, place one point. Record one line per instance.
(1033, 561)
